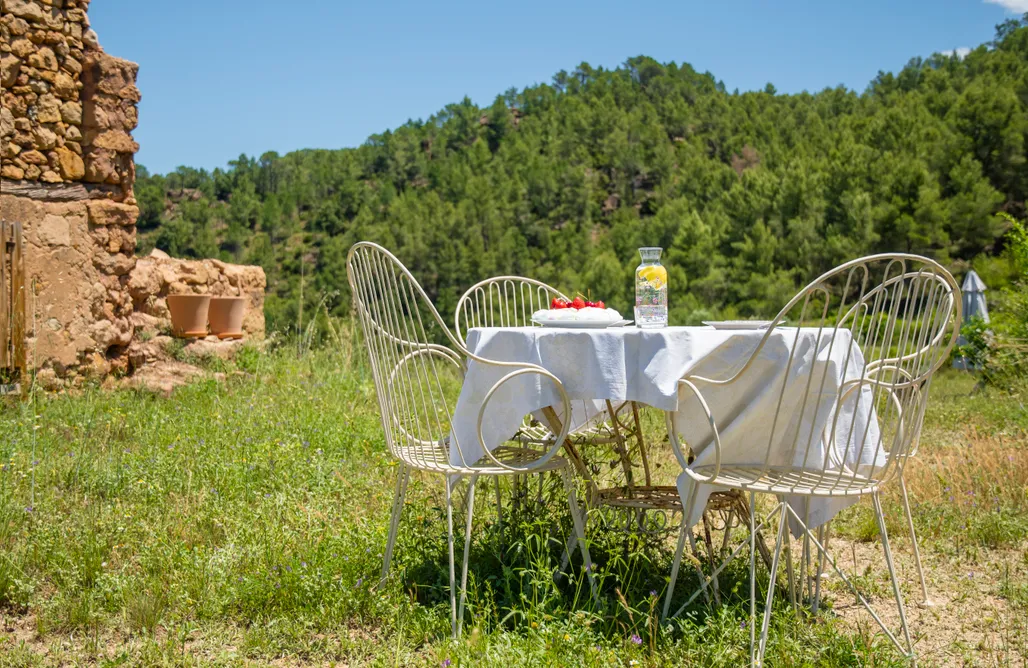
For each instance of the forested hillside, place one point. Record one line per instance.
(752, 194)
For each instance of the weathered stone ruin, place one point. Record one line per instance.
(66, 174)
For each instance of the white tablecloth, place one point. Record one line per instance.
(645, 365)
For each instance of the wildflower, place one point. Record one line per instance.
(360, 581)
(653, 593)
(567, 637)
(742, 624)
(445, 663)
(636, 640)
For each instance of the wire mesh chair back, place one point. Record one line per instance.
(884, 324)
(502, 301)
(413, 375)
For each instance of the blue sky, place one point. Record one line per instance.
(224, 77)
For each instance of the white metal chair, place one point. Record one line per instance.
(510, 301)
(410, 373)
(901, 313)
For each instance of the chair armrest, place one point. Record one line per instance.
(557, 443)
(673, 432)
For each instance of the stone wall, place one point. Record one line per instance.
(66, 174)
(67, 107)
(157, 276)
(77, 259)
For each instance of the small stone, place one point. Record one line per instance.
(31, 173)
(10, 150)
(90, 39)
(71, 164)
(44, 59)
(72, 66)
(23, 124)
(71, 112)
(25, 9)
(39, 86)
(48, 109)
(74, 145)
(73, 134)
(18, 26)
(22, 47)
(7, 122)
(43, 138)
(33, 158)
(12, 172)
(9, 68)
(65, 86)
(113, 140)
(50, 176)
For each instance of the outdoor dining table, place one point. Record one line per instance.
(644, 365)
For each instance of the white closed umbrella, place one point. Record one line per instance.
(973, 299)
(973, 291)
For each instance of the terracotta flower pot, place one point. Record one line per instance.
(226, 316)
(189, 314)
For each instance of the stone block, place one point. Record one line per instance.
(106, 212)
(71, 164)
(10, 66)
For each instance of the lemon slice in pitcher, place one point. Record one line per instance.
(656, 276)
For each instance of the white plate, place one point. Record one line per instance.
(738, 324)
(583, 324)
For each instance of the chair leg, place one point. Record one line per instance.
(913, 541)
(576, 519)
(822, 537)
(449, 540)
(880, 516)
(499, 504)
(402, 477)
(823, 551)
(790, 573)
(696, 566)
(467, 550)
(676, 563)
(782, 524)
(753, 577)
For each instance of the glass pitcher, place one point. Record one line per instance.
(651, 289)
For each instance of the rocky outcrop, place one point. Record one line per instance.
(156, 276)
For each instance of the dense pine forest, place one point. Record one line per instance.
(751, 194)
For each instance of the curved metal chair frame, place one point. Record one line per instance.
(510, 301)
(396, 316)
(901, 312)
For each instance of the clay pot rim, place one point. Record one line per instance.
(225, 297)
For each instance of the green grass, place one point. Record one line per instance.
(243, 523)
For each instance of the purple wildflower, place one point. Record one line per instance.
(636, 640)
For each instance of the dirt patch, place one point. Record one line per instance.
(968, 622)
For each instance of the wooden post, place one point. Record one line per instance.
(18, 288)
(5, 302)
